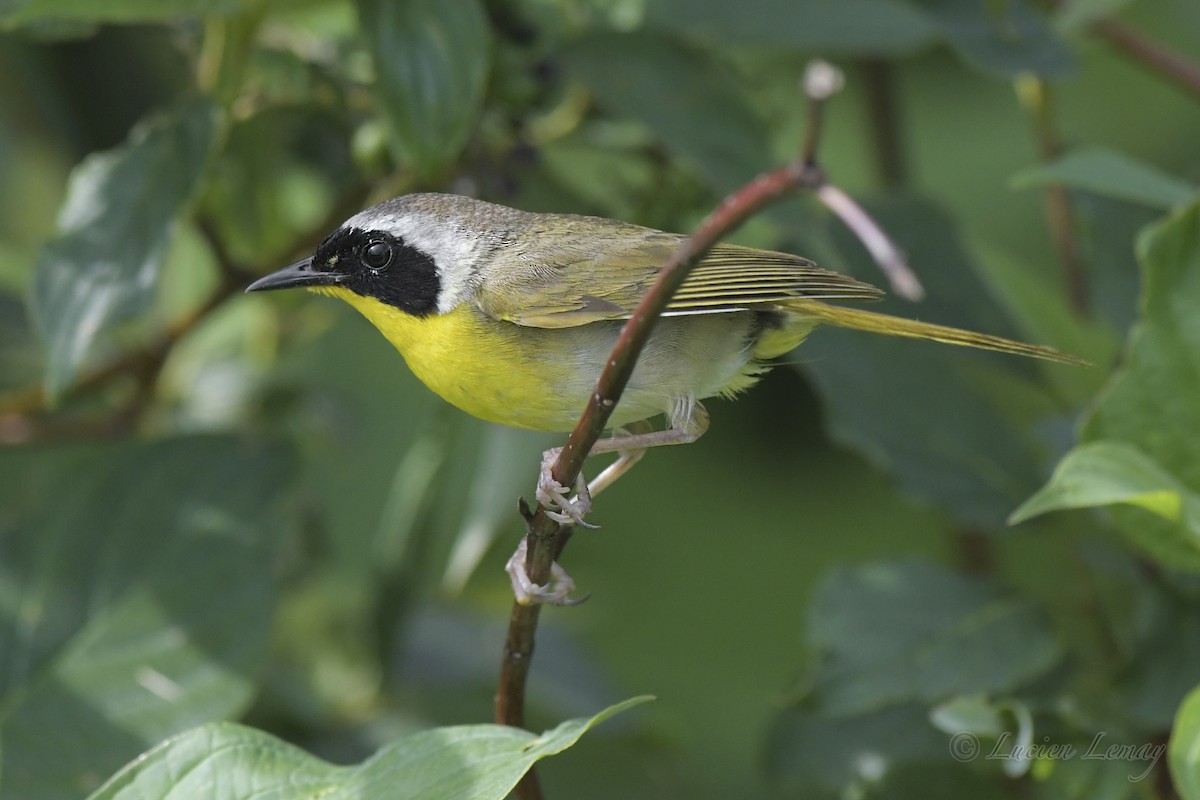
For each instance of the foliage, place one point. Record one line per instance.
(237, 537)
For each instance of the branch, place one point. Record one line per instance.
(1036, 96)
(545, 538)
(883, 114)
(1171, 65)
(139, 362)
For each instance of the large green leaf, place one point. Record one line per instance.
(224, 761)
(1151, 404)
(431, 65)
(1183, 754)
(1107, 172)
(857, 27)
(889, 633)
(1005, 39)
(16, 12)
(824, 755)
(103, 264)
(137, 601)
(691, 102)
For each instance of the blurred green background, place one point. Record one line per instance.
(227, 507)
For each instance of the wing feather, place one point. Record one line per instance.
(600, 269)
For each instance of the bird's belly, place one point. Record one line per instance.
(541, 378)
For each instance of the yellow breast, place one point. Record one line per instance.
(487, 368)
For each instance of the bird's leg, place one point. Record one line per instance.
(689, 421)
(556, 592)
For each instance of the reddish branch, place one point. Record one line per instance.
(546, 538)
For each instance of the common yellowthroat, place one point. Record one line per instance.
(510, 316)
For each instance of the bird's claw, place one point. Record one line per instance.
(555, 593)
(553, 495)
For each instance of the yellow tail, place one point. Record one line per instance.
(860, 320)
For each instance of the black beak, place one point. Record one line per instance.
(299, 274)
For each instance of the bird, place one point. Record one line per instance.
(510, 315)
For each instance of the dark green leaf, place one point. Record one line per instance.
(1183, 755)
(889, 633)
(1098, 778)
(1005, 39)
(19, 362)
(857, 27)
(1107, 172)
(17, 12)
(691, 102)
(103, 264)
(1108, 229)
(1166, 664)
(826, 755)
(225, 761)
(431, 64)
(941, 780)
(113, 631)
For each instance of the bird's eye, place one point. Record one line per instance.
(377, 255)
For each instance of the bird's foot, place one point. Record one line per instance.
(553, 495)
(555, 593)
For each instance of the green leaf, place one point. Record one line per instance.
(431, 65)
(103, 264)
(1183, 752)
(224, 760)
(1151, 402)
(18, 12)
(855, 27)
(691, 102)
(1107, 172)
(1005, 39)
(113, 631)
(888, 633)
(1104, 473)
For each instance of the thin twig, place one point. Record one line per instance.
(137, 361)
(885, 123)
(1036, 96)
(822, 81)
(1173, 66)
(887, 255)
